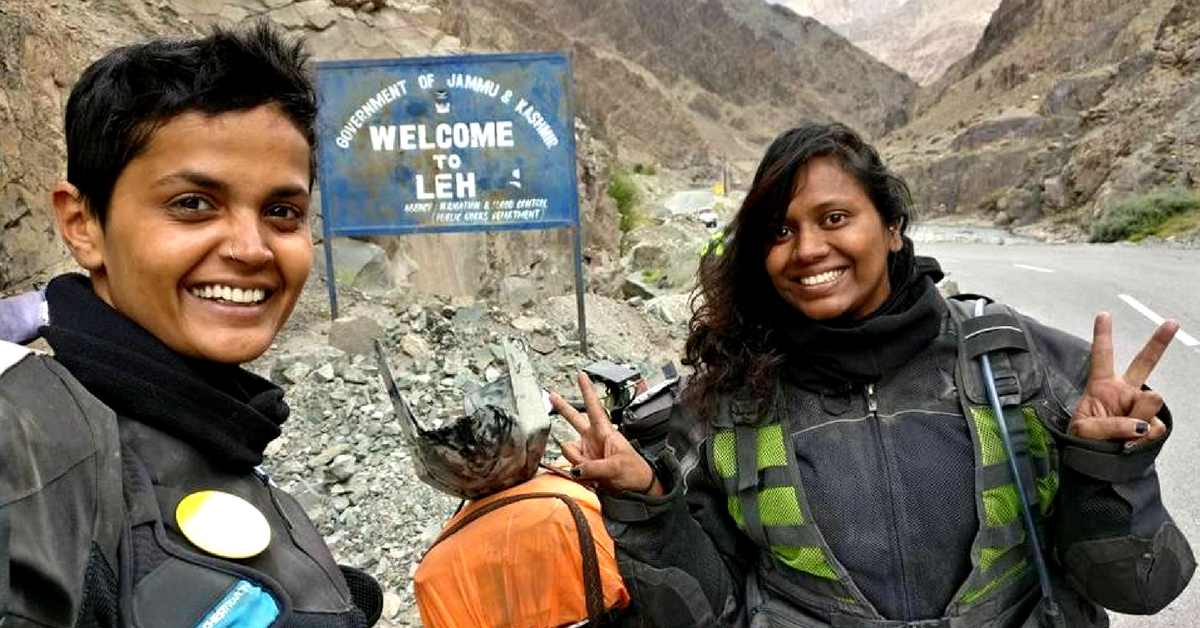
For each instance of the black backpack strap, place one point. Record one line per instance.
(998, 332)
(593, 586)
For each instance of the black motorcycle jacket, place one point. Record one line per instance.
(100, 445)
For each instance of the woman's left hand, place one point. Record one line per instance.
(602, 455)
(1117, 408)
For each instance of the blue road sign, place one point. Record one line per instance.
(437, 144)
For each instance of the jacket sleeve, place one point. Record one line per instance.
(57, 492)
(1114, 539)
(681, 554)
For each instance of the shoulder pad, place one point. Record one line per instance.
(10, 354)
(1001, 334)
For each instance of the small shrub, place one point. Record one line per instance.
(991, 202)
(1141, 216)
(623, 192)
(1180, 224)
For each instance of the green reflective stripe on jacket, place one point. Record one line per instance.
(807, 559)
(779, 509)
(770, 446)
(1041, 448)
(1001, 505)
(1008, 576)
(769, 450)
(778, 506)
(725, 454)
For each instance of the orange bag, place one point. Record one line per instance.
(521, 559)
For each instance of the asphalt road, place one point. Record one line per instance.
(1065, 286)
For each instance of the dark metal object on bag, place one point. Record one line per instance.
(620, 383)
(496, 445)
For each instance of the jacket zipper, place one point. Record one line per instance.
(873, 408)
(266, 480)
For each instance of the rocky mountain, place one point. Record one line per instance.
(834, 13)
(918, 37)
(1063, 109)
(707, 78)
(677, 83)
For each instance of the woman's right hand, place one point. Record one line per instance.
(602, 455)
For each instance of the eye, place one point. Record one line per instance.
(191, 204)
(286, 215)
(781, 232)
(835, 218)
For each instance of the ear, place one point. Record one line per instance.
(895, 241)
(80, 228)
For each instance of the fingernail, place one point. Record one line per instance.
(576, 472)
(1141, 427)
(1129, 444)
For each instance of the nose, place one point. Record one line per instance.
(244, 242)
(809, 245)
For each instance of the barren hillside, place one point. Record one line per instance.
(677, 83)
(918, 37)
(690, 81)
(838, 12)
(1064, 108)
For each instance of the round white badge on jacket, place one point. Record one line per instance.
(222, 524)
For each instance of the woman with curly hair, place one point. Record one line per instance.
(838, 462)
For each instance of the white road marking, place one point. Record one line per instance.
(1181, 336)
(1037, 268)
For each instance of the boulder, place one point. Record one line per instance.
(357, 264)
(355, 334)
(517, 291)
(673, 309)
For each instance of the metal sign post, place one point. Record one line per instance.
(447, 144)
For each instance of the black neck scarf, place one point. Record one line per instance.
(835, 355)
(224, 411)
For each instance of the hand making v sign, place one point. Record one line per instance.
(1120, 408)
(602, 455)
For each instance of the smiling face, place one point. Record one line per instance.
(206, 243)
(828, 256)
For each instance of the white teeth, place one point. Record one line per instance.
(228, 293)
(824, 277)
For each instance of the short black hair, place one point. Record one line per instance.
(126, 95)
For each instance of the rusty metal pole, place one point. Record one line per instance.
(583, 346)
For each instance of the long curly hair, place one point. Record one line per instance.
(730, 342)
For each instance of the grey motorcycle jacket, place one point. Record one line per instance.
(887, 482)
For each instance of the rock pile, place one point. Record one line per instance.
(342, 454)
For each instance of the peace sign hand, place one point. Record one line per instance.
(1116, 408)
(602, 454)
